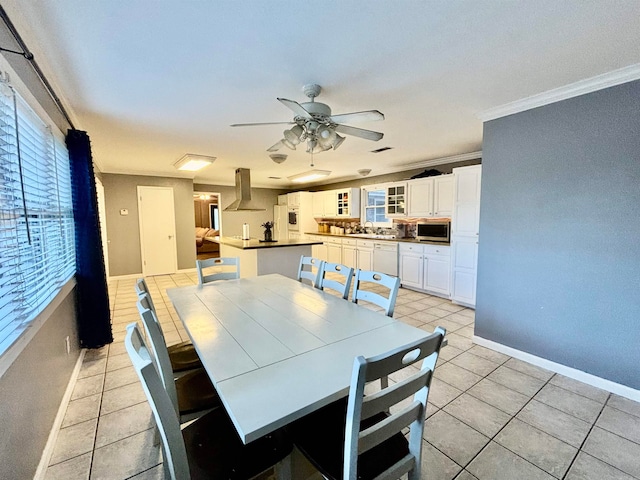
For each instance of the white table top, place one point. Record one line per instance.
(277, 349)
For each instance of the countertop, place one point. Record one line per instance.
(255, 243)
(361, 237)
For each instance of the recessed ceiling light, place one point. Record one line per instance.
(191, 162)
(309, 176)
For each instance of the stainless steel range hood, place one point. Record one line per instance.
(243, 200)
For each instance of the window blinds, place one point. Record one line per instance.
(37, 254)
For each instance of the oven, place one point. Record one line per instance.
(293, 214)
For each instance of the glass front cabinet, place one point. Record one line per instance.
(397, 199)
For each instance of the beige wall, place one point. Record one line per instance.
(123, 232)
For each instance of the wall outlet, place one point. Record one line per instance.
(67, 344)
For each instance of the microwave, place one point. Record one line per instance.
(434, 232)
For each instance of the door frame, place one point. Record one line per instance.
(102, 216)
(140, 189)
(219, 196)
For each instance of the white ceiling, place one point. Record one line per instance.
(151, 80)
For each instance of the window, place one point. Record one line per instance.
(36, 216)
(374, 206)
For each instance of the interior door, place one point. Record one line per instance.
(157, 230)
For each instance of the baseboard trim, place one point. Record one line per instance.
(57, 423)
(570, 372)
(140, 275)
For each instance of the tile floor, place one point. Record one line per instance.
(490, 416)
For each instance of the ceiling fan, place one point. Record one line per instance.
(314, 124)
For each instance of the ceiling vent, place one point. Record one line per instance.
(380, 150)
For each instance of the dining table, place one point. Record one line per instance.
(277, 349)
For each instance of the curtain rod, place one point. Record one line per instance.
(30, 58)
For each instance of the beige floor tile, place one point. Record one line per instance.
(124, 423)
(499, 396)
(88, 386)
(478, 365)
(587, 467)
(515, 380)
(614, 450)
(580, 388)
(497, 463)
(477, 414)
(76, 468)
(624, 404)
(558, 424)
(457, 376)
(74, 441)
(531, 370)
(541, 449)
(82, 409)
(582, 407)
(122, 397)
(126, 457)
(621, 423)
(453, 438)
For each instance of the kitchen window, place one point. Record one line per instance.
(374, 206)
(36, 216)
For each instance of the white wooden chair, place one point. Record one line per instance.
(192, 393)
(374, 444)
(305, 269)
(387, 281)
(209, 447)
(183, 355)
(220, 274)
(335, 284)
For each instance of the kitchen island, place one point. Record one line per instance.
(263, 258)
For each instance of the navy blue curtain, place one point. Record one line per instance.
(92, 307)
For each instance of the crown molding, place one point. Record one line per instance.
(582, 87)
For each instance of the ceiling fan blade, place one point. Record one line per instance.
(275, 148)
(296, 107)
(258, 124)
(368, 116)
(359, 132)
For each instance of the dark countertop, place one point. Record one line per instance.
(402, 240)
(255, 243)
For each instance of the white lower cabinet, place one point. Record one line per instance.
(426, 267)
(349, 252)
(364, 253)
(464, 270)
(334, 250)
(318, 251)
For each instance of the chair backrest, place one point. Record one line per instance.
(160, 354)
(310, 263)
(141, 289)
(174, 451)
(361, 407)
(335, 283)
(380, 279)
(222, 262)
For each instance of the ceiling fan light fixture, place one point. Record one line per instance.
(309, 176)
(288, 144)
(293, 134)
(338, 141)
(191, 162)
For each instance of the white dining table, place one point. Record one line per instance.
(277, 349)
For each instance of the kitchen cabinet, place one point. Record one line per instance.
(348, 203)
(334, 250)
(426, 268)
(318, 251)
(343, 203)
(385, 257)
(293, 199)
(325, 204)
(364, 253)
(349, 252)
(396, 199)
(465, 237)
(431, 197)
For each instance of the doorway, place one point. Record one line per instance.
(208, 221)
(157, 230)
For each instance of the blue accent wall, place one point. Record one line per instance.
(559, 252)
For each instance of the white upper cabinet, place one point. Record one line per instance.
(337, 203)
(431, 196)
(421, 197)
(466, 216)
(443, 196)
(396, 199)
